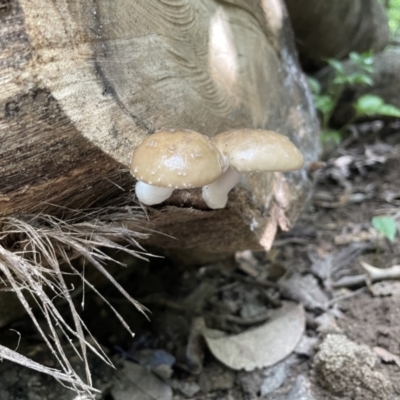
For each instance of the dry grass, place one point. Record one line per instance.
(32, 248)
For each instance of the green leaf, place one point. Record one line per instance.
(336, 65)
(368, 104)
(355, 57)
(339, 80)
(363, 61)
(368, 68)
(389, 111)
(354, 78)
(324, 103)
(330, 135)
(385, 225)
(364, 80)
(315, 86)
(360, 78)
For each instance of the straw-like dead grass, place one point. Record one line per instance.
(32, 248)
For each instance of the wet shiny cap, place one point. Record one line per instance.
(180, 159)
(258, 150)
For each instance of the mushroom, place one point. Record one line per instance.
(250, 150)
(174, 159)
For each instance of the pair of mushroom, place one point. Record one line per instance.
(184, 159)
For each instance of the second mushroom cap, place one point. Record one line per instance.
(258, 150)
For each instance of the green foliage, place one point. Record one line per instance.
(327, 100)
(393, 12)
(331, 135)
(324, 103)
(385, 225)
(370, 104)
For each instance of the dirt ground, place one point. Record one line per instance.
(350, 345)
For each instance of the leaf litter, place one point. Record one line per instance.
(349, 192)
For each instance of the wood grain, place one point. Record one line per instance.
(82, 83)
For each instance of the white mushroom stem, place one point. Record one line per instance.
(216, 194)
(150, 194)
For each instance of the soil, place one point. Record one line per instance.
(350, 347)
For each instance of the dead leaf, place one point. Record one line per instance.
(327, 265)
(304, 289)
(262, 346)
(386, 355)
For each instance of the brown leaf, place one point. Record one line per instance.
(262, 346)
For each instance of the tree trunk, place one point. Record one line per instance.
(332, 29)
(82, 83)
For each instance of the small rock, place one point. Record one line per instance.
(159, 361)
(152, 358)
(346, 368)
(306, 346)
(327, 324)
(188, 389)
(164, 372)
(301, 390)
(275, 377)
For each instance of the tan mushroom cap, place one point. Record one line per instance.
(258, 150)
(178, 159)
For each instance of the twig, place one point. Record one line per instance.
(346, 296)
(350, 281)
(373, 274)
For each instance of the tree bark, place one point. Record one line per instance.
(332, 29)
(82, 83)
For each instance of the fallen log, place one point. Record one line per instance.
(82, 85)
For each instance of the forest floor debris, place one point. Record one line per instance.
(329, 262)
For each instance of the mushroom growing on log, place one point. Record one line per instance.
(83, 83)
(174, 159)
(249, 151)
